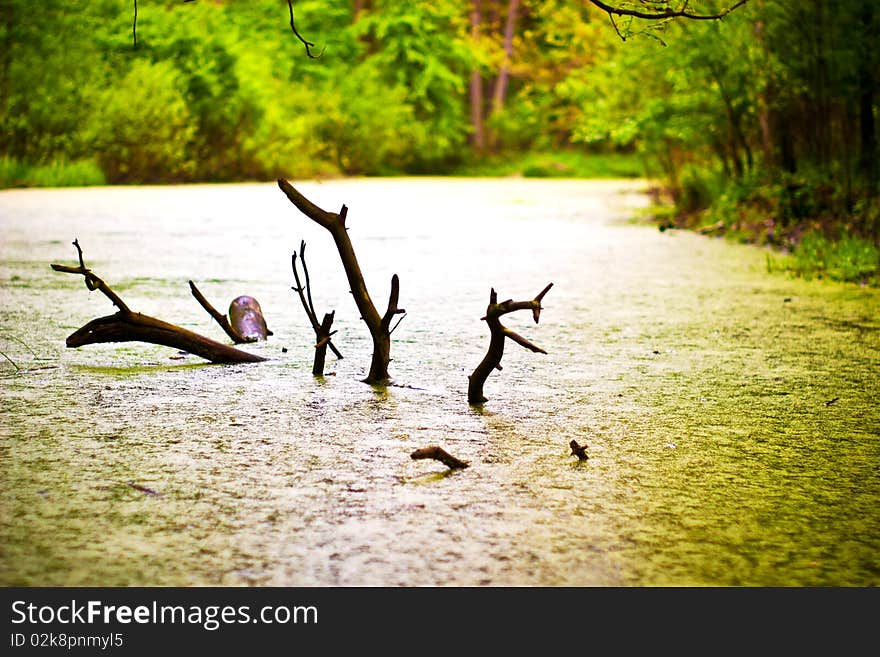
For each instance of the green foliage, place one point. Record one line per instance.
(762, 122)
(567, 163)
(421, 48)
(844, 258)
(144, 127)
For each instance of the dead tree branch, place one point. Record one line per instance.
(127, 326)
(379, 325)
(322, 329)
(498, 333)
(222, 320)
(308, 44)
(438, 454)
(666, 12)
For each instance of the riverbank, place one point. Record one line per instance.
(805, 243)
(806, 236)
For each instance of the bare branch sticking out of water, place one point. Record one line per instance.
(321, 329)
(143, 489)
(579, 450)
(379, 325)
(14, 364)
(221, 319)
(439, 454)
(498, 334)
(127, 326)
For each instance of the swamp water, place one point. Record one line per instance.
(731, 416)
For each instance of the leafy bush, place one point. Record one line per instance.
(57, 173)
(145, 127)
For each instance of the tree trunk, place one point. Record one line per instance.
(379, 325)
(135, 327)
(504, 72)
(478, 137)
(868, 165)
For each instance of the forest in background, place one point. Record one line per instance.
(761, 125)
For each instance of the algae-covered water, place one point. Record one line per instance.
(731, 416)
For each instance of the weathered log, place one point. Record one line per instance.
(127, 326)
(498, 333)
(439, 454)
(322, 329)
(379, 325)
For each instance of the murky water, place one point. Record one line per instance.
(731, 416)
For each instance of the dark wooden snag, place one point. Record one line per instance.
(578, 450)
(439, 454)
(322, 329)
(222, 320)
(128, 326)
(498, 333)
(379, 325)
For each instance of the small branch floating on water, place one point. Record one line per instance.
(439, 454)
(143, 489)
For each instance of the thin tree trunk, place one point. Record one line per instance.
(504, 72)
(868, 165)
(498, 334)
(478, 137)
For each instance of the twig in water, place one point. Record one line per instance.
(14, 364)
(579, 450)
(438, 454)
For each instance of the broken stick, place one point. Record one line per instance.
(579, 450)
(438, 454)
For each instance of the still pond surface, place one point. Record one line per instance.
(731, 416)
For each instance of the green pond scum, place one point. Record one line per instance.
(729, 413)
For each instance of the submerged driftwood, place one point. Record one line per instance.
(379, 325)
(439, 454)
(578, 450)
(128, 326)
(498, 333)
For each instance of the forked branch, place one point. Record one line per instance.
(666, 12)
(378, 325)
(322, 329)
(498, 334)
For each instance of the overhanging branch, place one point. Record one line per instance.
(669, 12)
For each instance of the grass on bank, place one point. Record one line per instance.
(58, 173)
(555, 164)
(811, 227)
